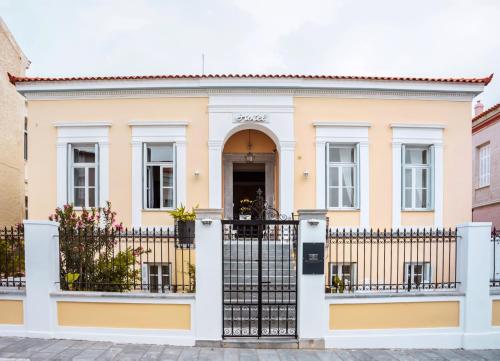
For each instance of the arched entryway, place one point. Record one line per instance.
(249, 163)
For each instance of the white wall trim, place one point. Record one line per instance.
(155, 132)
(278, 126)
(238, 82)
(342, 132)
(167, 123)
(424, 134)
(82, 132)
(342, 124)
(83, 124)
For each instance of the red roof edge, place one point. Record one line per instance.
(489, 79)
(486, 112)
(485, 81)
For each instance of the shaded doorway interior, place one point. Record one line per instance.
(247, 179)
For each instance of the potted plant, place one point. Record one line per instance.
(246, 209)
(184, 221)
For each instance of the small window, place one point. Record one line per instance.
(25, 138)
(25, 207)
(484, 165)
(83, 190)
(342, 176)
(156, 277)
(346, 272)
(417, 177)
(417, 274)
(159, 176)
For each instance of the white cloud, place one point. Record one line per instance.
(386, 37)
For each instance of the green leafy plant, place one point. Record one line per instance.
(89, 259)
(246, 206)
(338, 285)
(182, 214)
(192, 277)
(11, 253)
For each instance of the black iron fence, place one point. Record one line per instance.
(390, 260)
(12, 257)
(146, 260)
(495, 245)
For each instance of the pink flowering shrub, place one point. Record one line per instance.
(89, 243)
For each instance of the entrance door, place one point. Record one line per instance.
(259, 278)
(248, 178)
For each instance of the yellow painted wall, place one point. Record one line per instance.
(42, 153)
(394, 315)
(495, 320)
(11, 312)
(381, 113)
(124, 315)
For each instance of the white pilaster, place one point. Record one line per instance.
(438, 185)
(136, 183)
(321, 173)
(42, 276)
(181, 164)
(62, 173)
(287, 155)
(474, 267)
(208, 305)
(215, 174)
(364, 185)
(396, 184)
(103, 173)
(312, 312)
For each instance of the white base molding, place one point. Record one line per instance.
(444, 338)
(137, 336)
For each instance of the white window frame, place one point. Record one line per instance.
(81, 132)
(146, 273)
(484, 165)
(341, 166)
(162, 165)
(339, 265)
(409, 270)
(71, 179)
(350, 132)
(413, 167)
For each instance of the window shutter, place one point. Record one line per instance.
(357, 181)
(97, 175)
(430, 198)
(403, 193)
(69, 176)
(144, 276)
(174, 167)
(327, 170)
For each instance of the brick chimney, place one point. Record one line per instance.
(478, 108)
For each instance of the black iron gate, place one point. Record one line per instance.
(259, 276)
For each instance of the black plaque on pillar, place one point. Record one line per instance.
(313, 258)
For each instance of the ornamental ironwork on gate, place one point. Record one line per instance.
(260, 275)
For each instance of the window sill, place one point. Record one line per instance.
(482, 187)
(157, 210)
(409, 210)
(343, 209)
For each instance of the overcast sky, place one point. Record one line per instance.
(437, 38)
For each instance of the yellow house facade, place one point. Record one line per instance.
(376, 152)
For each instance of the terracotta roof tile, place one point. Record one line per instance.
(484, 81)
(486, 112)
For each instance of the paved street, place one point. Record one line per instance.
(36, 349)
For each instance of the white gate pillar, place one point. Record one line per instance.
(208, 305)
(473, 268)
(312, 315)
(42, 276)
